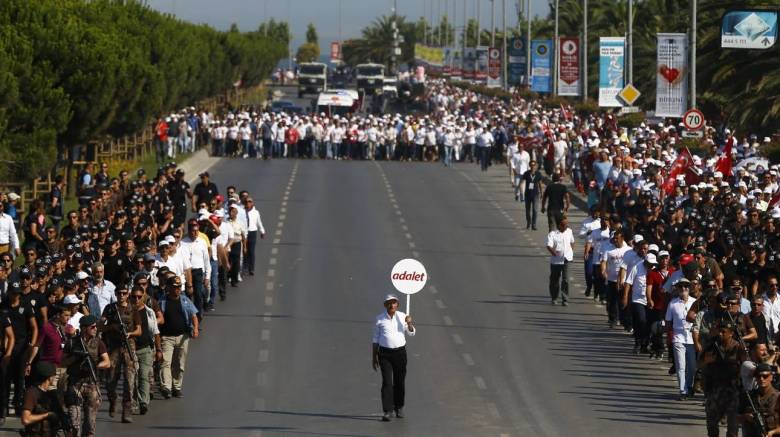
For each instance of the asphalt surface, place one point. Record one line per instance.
(289, 352)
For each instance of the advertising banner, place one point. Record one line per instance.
(335, 51)
(671, 95)
(611, 65)
(569, 67)
(541, 66)
(516, 61)
(432, 56)
(748, 29)
(481, 69)
(469, 63)
(494, 67)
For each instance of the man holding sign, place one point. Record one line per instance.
(389, 354)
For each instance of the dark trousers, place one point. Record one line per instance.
(484, 157)
(599, 283)
(249, 259)
(235, 262)
(392, 362)
(639, 321)
(198, 290)
(552, 219)
(531, 206)
(589, 271)
(559, 281)
(14, 374)
(613, 302)
(222, 281)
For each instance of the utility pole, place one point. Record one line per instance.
(503, 48)
(585, 50)
(340, 37)
(555, 52)
(289, 38)
(394, 55)
(630, 41)
(492, 23)
(465, 34)
(693, 52)
(479, 23)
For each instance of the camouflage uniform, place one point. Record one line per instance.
(122, 363)
(83, 395)
(723, 388)
(767, 404)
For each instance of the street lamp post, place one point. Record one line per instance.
(585, 50)
(693, 52)
(503, 48)
(555, 52)
(528, 47)
(630, 41)
(492, 23)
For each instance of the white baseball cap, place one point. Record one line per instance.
(390, 297)
(650, 258)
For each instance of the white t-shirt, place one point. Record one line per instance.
(614, 259)
(561, 243)
(637, 278)
(676, 314)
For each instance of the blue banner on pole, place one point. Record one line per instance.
(612, 52)
(517, 60)
(541, 66)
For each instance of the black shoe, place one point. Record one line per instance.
(142, 409)
(533, 227)
(222, 297)
(564, 303)
(672, 370)
(251, 273)
(587, 293)
(517, 198)
(177, 393)
(386, 416)
(552, 302)
(528, 226)
(399, 413)
(165, 394)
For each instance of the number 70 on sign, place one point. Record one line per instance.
(693, 119)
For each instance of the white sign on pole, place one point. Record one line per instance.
(408, 276)
(671, 96)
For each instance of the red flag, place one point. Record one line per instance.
(724, 164)
(775, 199)
(681, 166)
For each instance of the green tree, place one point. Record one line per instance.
(311, 34)
(307, 52)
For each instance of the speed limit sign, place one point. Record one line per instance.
(693, 119)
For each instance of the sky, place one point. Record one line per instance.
(355, 14)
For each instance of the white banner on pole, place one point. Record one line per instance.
(671, 96)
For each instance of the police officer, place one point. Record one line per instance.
(115, 315)
(179, 191)
(721, 363)
(40, 407)
(765, 399)
(389, 354)
(87, 354)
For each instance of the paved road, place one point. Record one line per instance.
(289, 352)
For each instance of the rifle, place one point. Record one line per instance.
(90, 364)
(759, 419)
(123, 331)
(64, 421)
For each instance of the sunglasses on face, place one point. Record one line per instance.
(765, 375)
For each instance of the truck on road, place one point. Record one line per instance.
(370, 78)
(312, 78)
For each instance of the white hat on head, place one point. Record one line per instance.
(638, 238)
(390, 297)
(650, 258)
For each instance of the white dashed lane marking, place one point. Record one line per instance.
(480, 383)
(468, 360)
(456, 338)
(265, 334)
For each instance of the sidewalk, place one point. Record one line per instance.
(199, 162)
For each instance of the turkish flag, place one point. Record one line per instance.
(683, 165)
(725, 164)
